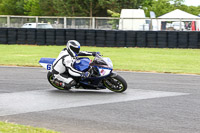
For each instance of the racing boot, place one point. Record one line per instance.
(71, 84)
(64, 81)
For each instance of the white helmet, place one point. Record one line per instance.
(73, 47)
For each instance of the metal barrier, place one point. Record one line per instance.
(103, 23)
(101, 38)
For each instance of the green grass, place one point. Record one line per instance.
(14, 128)
(132, 59)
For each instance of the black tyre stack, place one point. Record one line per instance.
(41, 36)
(198, 39)
(90, 37)
(60, 37)
(21, 36)
(182, 39)
(152, 39)
(172, 39)
(162, 39)
(31, 36)
(100, 38)
(141, 39)
(120, 38)
(3, 36)
(193, 40)
(80, 36)
(12, 36)
(50, 36)
(131, 38)
(110, 38)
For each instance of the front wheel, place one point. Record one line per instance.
(50, 79)
(116, 84)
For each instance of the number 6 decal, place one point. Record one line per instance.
(49, 67)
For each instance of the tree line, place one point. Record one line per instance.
(90, 8)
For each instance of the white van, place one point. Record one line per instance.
(37, 25)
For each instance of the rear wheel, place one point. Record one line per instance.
(51, 81)
(116, 84)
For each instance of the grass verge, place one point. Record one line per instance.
(14, 128)
(131, 59)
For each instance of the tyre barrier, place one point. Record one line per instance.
(101, 38)
(21, 36)
(141, 39)
(31, 36)
(152, 39)
(162, 39)
(50, 37)
(60, 37)
(12, 36)
(3, 36)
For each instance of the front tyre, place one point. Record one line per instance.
(51, 81)
(116, 84)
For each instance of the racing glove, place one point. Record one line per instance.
(85, 75)
(95, 53)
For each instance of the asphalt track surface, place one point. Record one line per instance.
(153, 103)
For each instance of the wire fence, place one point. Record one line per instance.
(104, 23)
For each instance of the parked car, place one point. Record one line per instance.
(37, 25)
(176, 26)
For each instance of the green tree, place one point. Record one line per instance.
(32, 8)
(190, 9)
(65, 7)
(79, 8)
(160, 7)
(92, 8)
(47, 8)
(11, 7)
(117, 5)
(177, 3)
(114, 22)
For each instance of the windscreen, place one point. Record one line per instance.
(103, 61)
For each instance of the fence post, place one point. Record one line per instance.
(36, 20)
(65, 22)
(123, 24)
(180, 26)
(73, 23)
(8, 21)
(93, 22)
(151, 25)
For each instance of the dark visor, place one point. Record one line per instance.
(76, 50)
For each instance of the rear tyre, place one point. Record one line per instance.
(50, 79)
(116, 84)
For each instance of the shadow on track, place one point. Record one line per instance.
(84, 92)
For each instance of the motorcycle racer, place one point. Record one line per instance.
(65, 61)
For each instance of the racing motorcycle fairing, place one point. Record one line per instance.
(99, 68)
(47, 63)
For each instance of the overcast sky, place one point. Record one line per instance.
(192, 2)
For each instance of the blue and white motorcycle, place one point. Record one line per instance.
(101, 74)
